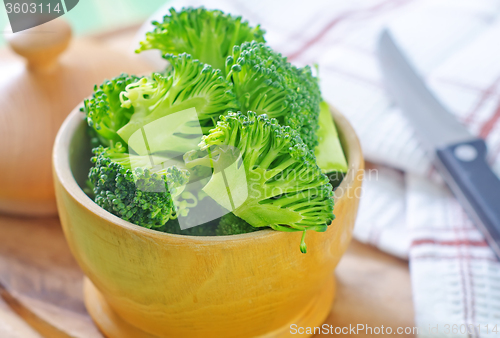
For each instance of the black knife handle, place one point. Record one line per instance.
(476, 186)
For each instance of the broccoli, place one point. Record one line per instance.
(207, 35)
(199, 221)
(189, 84)
(258, 163)
(329, 154)
(104, 112)
(264, 82)
(206, 229)
(230, 224)
(284, 188)
(124, 186)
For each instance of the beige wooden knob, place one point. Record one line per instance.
(41, 45)
(36, 99)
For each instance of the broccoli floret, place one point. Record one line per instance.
(264, 82)
(173, 227)
(200, 230)
(309, 101)
(104, 112)
(189, 84)
(208, 35)
(230, 224)
(199, 221)
(124, 186)
(329, 154)
(284, 188)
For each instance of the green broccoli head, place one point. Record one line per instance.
(309, 100)
(104, 112)
(284, 187)
(253, 70)
(123, 186)
(266, 83)
(230, 224)
(173, 227)
(208, 35)
(189, 84)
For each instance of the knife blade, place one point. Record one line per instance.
(459, 156)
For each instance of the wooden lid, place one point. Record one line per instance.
(41, 82)
(41, 45)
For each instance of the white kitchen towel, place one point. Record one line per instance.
(405, 209)
(455, 275)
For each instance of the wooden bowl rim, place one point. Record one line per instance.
(62, 170)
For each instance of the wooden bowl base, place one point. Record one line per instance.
(112, 325)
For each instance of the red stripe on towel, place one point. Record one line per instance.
(342, 17)
(481, 243)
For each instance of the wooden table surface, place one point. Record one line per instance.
(36, 266)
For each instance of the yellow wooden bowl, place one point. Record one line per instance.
(145, 283)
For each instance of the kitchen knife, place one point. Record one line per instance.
(458, 156)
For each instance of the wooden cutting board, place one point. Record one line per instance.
(36, 266)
